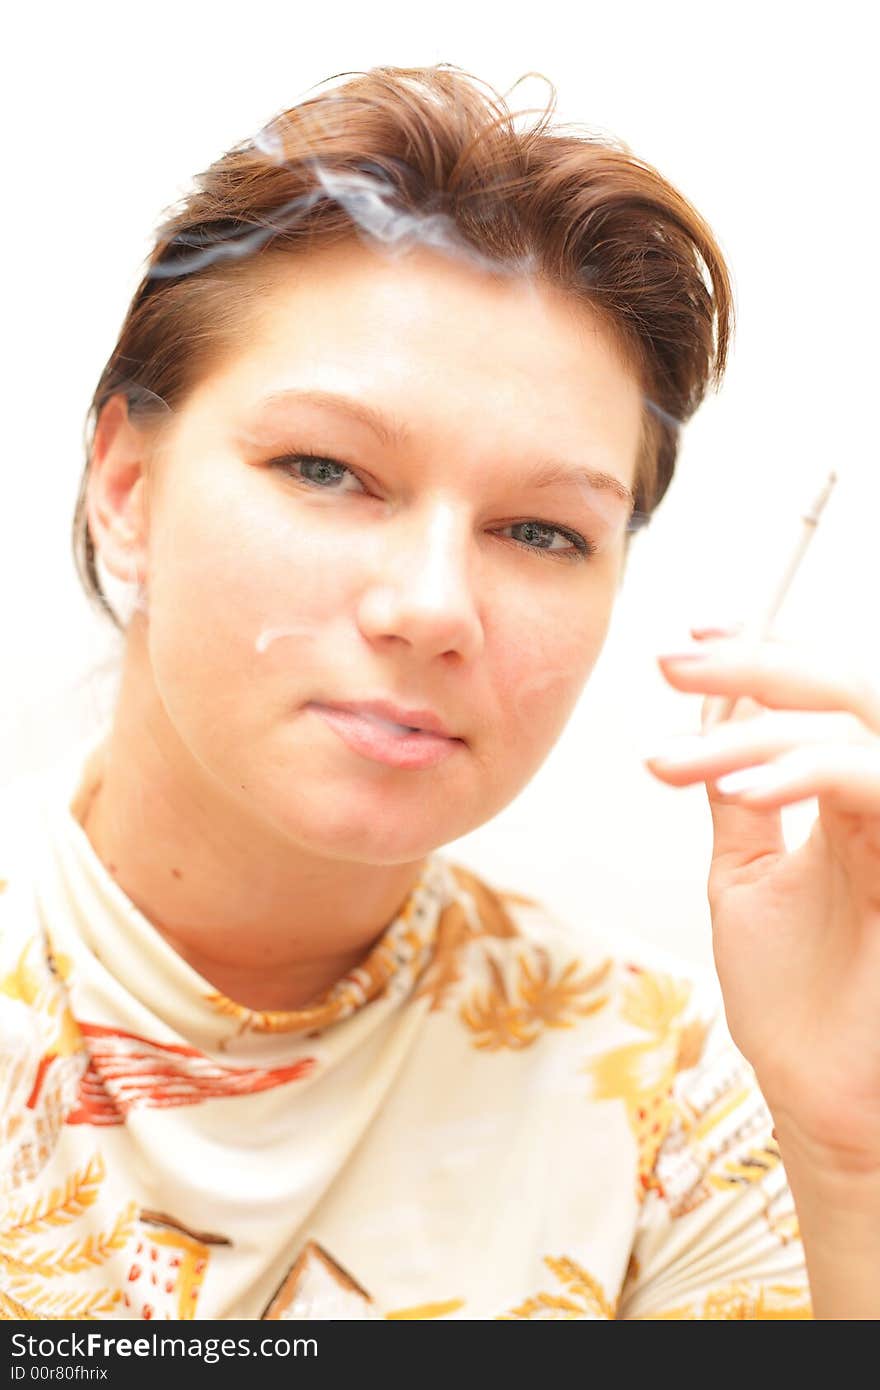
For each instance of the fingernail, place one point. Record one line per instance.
(749, 779)
(685, 750)
(691, 654)
(717, 630)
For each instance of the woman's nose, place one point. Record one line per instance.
(422, 589)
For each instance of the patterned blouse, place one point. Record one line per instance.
(495, 1115)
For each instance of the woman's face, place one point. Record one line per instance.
(429, 571)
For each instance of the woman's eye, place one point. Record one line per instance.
(318, 472)
(324, 474)
(577, 547)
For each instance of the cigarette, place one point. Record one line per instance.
(721, 707)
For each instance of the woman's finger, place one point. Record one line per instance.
(776, 674)
(744, 743)
(847, 778)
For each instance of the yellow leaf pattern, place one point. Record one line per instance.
(25, 982)
(36, 1302)
(477, 913)
(13, 1311)
(422, 1312)
(59, 1205)
(748, 1169)
(514, 1016)
(742, 1302)
(584, 1296)
(79, 1255)
(37, 981)
(641, 1074)
(653, 1001)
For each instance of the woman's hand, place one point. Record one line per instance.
(796, 935)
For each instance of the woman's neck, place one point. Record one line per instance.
(267, 925)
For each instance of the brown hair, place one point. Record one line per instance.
(583, 211)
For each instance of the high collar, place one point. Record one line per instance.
(116, 952)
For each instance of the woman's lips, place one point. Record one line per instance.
(380, 740)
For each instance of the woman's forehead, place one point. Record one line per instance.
(403, 335)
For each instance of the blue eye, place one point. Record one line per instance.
(579, 546)
(323, 470)
(323, 474)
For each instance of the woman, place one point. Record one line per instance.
(397, 387)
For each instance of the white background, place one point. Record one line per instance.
(763, 115)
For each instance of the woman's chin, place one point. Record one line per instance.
(364, 836)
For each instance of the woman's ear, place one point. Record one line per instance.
(116, 495)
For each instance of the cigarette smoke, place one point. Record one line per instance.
(371, 202)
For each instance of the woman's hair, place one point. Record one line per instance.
(433, 147)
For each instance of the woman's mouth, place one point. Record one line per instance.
(384, 741)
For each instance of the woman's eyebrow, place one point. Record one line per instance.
(389, 432)
(557, 474)
(393, 434)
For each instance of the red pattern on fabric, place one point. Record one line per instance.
(45, 1062)
(126, 1070)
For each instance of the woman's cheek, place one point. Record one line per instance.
(206, 592)
(261, 572)
(544, 677)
